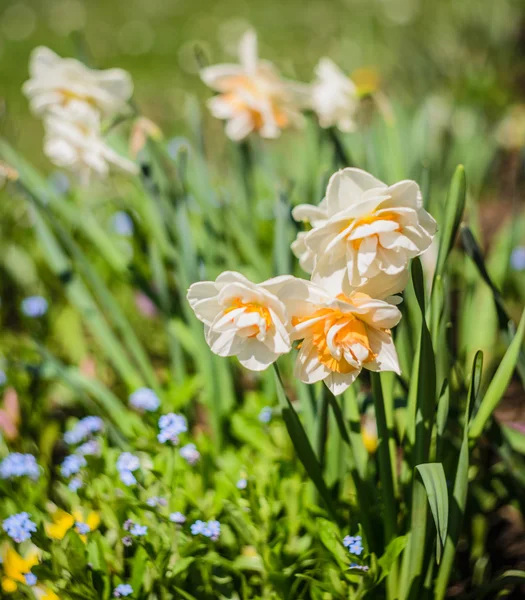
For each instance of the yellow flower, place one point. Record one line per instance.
(44, 593)
(369, 433)
(16, 566)
(63, 521)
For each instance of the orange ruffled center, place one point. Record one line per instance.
(368, 220)
(331, 349)
(252, 307)
(242, 88)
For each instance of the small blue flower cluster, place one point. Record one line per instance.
(144, 399)
(34, 306)
(265, 416)
(156, 501)
(127, 463)
(82, 528)
(75, 484)
(72, 465)
(17, 464)
(171, 426)
(242, 484)
(123, 589)
(30, 579)
(211, 529)
(83, 430)
(354, 544)
(19, 527)
(122, 224)
(177, 517)
(517, 258)
(89, 448)
(190, 454)
(135, 529)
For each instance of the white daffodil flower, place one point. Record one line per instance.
(57, 82)
(252, 96)
(371, 231)
(73, 141)
(242, 318)
(311, 215)
(341, 335)
(334, 97)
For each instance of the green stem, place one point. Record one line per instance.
(322, 432)
(385, 462)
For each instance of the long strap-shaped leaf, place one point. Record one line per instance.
(499, 383)
(433, 477)
(302, 444)
(506, 324)
(459, 494)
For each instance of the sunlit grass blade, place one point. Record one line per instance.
(454, 208)
(433, 477)
(459, 494)
(498, 384)
(422, 399)
(78, 294)
(505, 322)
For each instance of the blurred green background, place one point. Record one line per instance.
(472, 51)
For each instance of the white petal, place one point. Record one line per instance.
(240, 126)
(308, 213)
(329, 274)
(221, 77)
(366, 254)
(256, 356)
(382, 344)
(346, 187)
(377, 313)
(248, 51)
(338, 383)
(393, 240)
(223, 343)
(382, 285)
(369, 229)
(308, 369)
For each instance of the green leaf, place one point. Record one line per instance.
(454, 208)
(138, 568)
(330, 537)
(392, 552)
(302, 444)
(182, 565)
(422, 393)
(434, 480)
(515, 438)
(499, 383)
(459, 495)
(506, 324)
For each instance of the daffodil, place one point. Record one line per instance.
(242, 318)
(74, 141)
(340, 334)
(56, 82)
(252, 95)
(15, 567)
(334, 97)
(311, 215)
(371, 231)
(63, 522)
